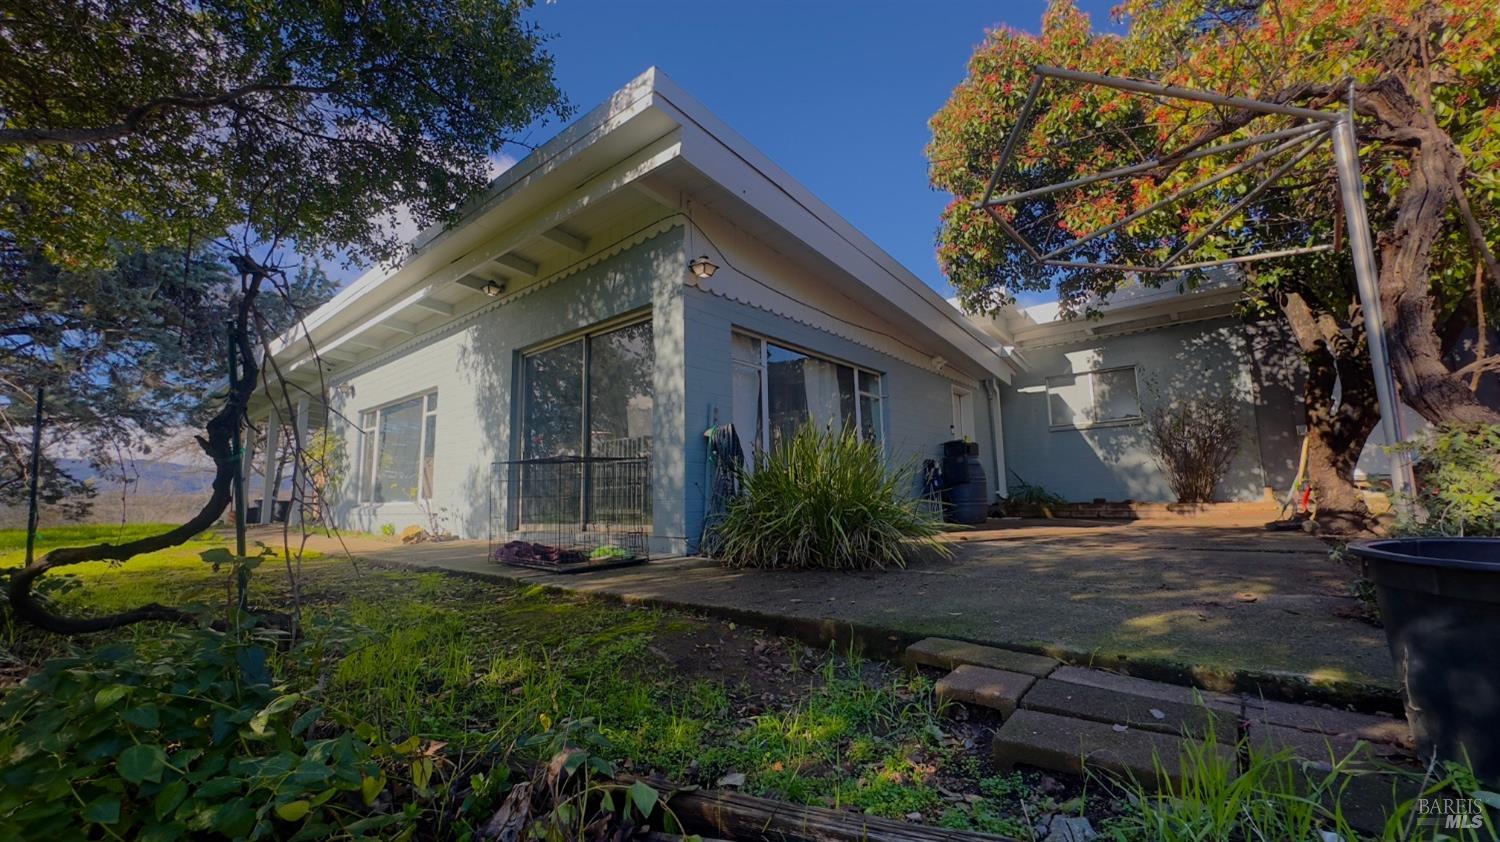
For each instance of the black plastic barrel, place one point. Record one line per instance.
(968, 499)
(1440, 602)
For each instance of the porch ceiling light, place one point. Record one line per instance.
(703, 267)
(492, 289)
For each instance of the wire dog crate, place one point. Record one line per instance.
(569, 514)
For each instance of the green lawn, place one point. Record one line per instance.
(478, 664)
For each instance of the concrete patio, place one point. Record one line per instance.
(1221, 607)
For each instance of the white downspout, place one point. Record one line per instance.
(992, 399)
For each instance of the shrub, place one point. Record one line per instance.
(1458, 482)
(827, 500)
(1194, 440)
(177, 738)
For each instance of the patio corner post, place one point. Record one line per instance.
(1367, 278)
(272, 458)
(294, 512)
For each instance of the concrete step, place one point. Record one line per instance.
(1113, 707)
(996, 689)
(948, 654)
(1065, 744)
(1147, 688)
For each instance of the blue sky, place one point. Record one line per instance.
(837, 93)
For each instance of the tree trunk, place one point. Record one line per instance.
(1337, 429)
(1421, 212)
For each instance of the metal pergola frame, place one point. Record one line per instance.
(1300, 140)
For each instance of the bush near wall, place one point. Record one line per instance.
(827, 500)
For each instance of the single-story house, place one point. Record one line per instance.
(565, 320)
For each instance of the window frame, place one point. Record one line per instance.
(369, 431)
(1128, 420)
(877, 397)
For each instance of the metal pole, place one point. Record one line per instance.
(36, 471)
(1367, 278)
(1142, 86)
(237, 479)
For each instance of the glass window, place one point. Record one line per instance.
(1093, 397)
(748, 411)
(614, 370)
(789, 389)
(553, 424)
(871, 418)
(1115, 397)
(398, 445)
(621, 397)
(1068, 399)
(366, 455)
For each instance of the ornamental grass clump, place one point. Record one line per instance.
(829, 501)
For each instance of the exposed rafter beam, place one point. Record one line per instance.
(435, 306)
(399, 326)
(569, 241)
(518, 264)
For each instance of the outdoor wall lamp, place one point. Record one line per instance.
(492, 289)
(703, 267)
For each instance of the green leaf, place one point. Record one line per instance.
(103, 810)
(1490, 798)
(142, 716)
(217, 556)
(109, 695)
(141, 763)
(293, 811)
(644, 798)
(370, 787)
(281, 704)
(169, 798)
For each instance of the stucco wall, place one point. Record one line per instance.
(917, 403)
(472, 363)
(1113, 462)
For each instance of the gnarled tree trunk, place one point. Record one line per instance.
(1337, 428)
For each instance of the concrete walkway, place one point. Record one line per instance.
(1223, 608)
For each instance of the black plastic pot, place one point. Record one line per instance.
(1440, 601)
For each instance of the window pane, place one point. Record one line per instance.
(869, 417)
(745, 388)
(869, 382)
(1068, 399)
(553, 422)
(400, 438)
(745, 349)
(802, 389)
(366, 463)
(429, 448)
(1115, 395)
(620, 393)
(432, 402)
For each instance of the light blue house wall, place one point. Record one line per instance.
(916, 403)
(473, 363)
(1173, 363)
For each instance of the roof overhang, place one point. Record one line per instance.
(648, 133)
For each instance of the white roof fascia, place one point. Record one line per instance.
(801, 213)
(621, 107)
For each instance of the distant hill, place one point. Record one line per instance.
(148, 476)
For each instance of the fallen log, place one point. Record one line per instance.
(746, 818)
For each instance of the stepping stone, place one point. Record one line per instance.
(1064, 744)
(948, 654)
(1326, 748)
(996, 689)
(1366, 800)
(1319, 720)
(1147, 688)
(1112, 707)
